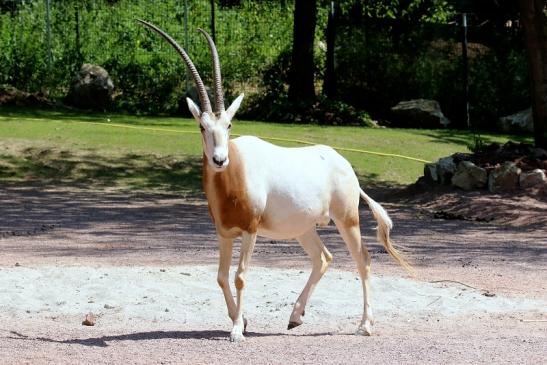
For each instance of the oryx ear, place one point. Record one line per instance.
(194, 109)
(234, 107)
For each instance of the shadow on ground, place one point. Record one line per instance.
(117, 227)
(131, 171)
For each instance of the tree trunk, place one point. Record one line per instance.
(534, 24)
(301, 80)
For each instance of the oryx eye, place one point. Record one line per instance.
(230, 126)
(201, 128)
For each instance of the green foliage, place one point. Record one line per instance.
(433, 11)
(148, 75)
(386, 51)
(493, 94)
(394, 60)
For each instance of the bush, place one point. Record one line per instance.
(386, 65)
(147, 74)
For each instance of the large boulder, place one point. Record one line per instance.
(504, 177)
(419, 113)
(469, 176)
(532, 178)
(92, 88)
(522, 121)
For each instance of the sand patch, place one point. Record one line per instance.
(189, 295)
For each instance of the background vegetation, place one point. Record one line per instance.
(386, 51)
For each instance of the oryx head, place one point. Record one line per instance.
(215, 125)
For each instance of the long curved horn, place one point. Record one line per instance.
(219, 95)
(202, 93)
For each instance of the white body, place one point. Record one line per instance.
(295, 189)
(285, 193)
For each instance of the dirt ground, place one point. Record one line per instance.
(144, 264)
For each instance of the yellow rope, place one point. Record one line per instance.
(262, 137)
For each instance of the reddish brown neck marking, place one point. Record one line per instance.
(226, 192)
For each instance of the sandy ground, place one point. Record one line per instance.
(144, 264)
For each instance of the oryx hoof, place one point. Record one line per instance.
(365, 329)
(237, 337)
(245, 322)
(293, 324)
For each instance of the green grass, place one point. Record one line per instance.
(52, 146)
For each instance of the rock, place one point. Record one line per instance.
(9, 95)
(92, 88)
(522, 121)
(89, 320)
(504, 177)
(430, 173)
(469, 176)
(540, 154)
(532, 178)
(420, 113)
(446, 169)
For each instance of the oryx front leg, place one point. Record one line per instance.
(320, 257)
(352, 237)
(247, 246)
(225, 259)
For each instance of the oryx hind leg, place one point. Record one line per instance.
(320, 257)
(351, 233)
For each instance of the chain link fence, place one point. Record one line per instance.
(44, 43)
(401, 59)
(376, 61)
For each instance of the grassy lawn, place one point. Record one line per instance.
(164, 153)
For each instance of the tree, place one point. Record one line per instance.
(534, 24)
(301, 74)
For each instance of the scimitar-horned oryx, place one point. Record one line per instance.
(255, 188)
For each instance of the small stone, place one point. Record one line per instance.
(17, 264)
(430, 173)
(89, 320)
(532, 178)
(504, 177)
(469, 176)
(108, 306)
(446, 169)
(540, 154)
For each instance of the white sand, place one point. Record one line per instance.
(189, 295)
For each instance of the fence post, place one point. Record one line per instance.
(48, 33)
(465, 69)
(213, 32)
(329, 85)
(186, 45)
(78, 50)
